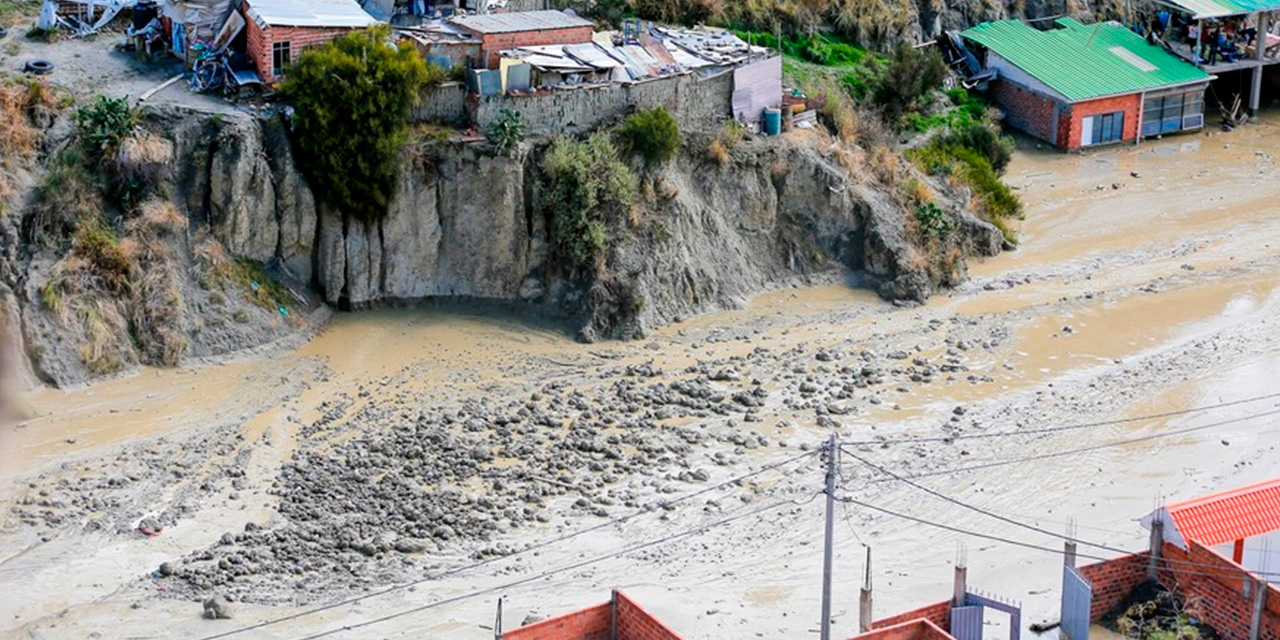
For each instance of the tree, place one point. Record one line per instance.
(654, 134)
(912, 74)
(352, 98)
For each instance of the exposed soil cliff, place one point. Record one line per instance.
(465, 224)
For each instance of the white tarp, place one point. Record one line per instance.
(756, 87)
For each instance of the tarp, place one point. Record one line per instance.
(756, 87)
(198, 14)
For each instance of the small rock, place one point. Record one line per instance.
(216, 608)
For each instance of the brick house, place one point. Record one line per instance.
(618, 619)
(276, 31)
(499, 31)
(1079, 85)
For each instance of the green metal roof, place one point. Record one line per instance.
(1085, 61)
(1221, 8)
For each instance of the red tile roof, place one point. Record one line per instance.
(1231, 515)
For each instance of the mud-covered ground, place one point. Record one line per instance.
(404, 444)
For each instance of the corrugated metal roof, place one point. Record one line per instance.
(520, 21)
(309, 13)
(1229, 516)
(1220, 8)
(1081, 62)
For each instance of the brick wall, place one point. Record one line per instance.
(492, 43)
(592, 623)
(634, 623)
(1113, 581)
(1200, 575)
(911, 630)
(690, 98)
(259, 41)
(938, 613)
(1129, 104)
(1024, 109)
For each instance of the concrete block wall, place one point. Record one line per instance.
(1025, 109)
(1113, 581)
(692, 100)
(939, 613)
(592, 623)
(445, 104)
(492, 43)
(910, 630)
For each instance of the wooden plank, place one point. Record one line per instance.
(160, 87)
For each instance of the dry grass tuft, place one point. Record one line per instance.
(143, 159)
(718, 152)
(158, 217)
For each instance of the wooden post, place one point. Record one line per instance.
(1157, 544)
(1069, 553)
(1259, 604)
(864, 600)
(961, 586)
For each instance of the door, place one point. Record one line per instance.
(1086, 131)
(966, 622)
(1077, 600)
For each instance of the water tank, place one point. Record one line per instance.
(772, 122)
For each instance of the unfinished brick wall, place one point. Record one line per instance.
(634, 623)
(911, 630)
(1025, 109)
(1113, 581)
(492, 43)
(259, 41)
(938, 613)
(592, 623)
(1069, 137)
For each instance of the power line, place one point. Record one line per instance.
(1072, 427)
(548, 573)
(1106, 445)
(1027, 545)
(536, 546)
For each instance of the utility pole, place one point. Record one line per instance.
(864, 602)
(828, 553)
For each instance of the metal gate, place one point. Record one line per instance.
(1077, 600)
(966, 622)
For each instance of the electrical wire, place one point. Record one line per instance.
(540, 545)
(1097, 447)
(1072, 427)
(548, 573)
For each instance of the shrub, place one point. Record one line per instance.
(104, 124)
(507, 131)
(984, 138)
(911, 75)
(654, 134)
(993, 198)
(352, 98)
(97, 243)
(584, 185)
(933, 221)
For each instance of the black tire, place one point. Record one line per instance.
(38, 67)
(4, 32)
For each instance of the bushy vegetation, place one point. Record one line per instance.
(968, 167)
(912, 76)
(820, 49)
(507, 131)
(584, 186)
(104, 124)
(653, 134)
(352, 98)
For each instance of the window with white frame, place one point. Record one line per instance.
(280, 57)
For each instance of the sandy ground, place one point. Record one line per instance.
(1147, 282)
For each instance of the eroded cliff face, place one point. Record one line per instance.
(465, 224)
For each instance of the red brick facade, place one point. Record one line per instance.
(1200, 575)
(1025, 109)
(596, 623)
(259, 41)
(938, 613)
(1069, 137)
(492, 43)
(911, 630)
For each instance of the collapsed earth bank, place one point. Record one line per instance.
(705, 233)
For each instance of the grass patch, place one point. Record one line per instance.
(968, 167)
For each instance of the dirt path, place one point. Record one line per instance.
(1157, 295)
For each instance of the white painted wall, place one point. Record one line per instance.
(1261, 555)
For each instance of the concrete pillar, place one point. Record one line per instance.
(1260, 50)
(961, 586)
(1259, 604)
(864, 599)
(1157, 545)
(1069, 553)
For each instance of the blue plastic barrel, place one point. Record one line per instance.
(772, 122)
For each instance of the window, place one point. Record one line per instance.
(280, 57)
(1101, 129)
(1173, 112)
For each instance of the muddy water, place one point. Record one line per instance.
(1178, 260)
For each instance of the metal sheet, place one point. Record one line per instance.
(520, 21)
(966, 622)
(309, 13)
(1077, 600)
(756, 87)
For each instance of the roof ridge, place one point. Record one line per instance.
(1273, 483)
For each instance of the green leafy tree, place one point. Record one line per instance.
(654, 134)
(584, 185)
(352, 98)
